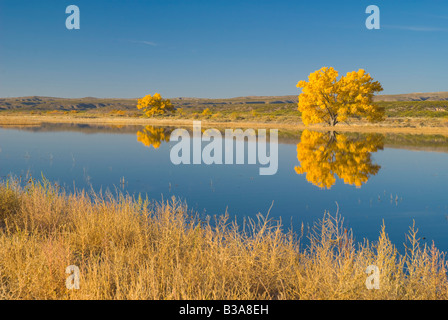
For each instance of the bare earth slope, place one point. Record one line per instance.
(108, 104)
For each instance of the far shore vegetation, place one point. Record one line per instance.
(405, 111)
(134, 248)
(345, 103)
(407, 116)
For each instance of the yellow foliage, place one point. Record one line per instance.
(180, 111)
(207, 112)
(323, 156)
(324, 98)
(118, 112)
(152, 136)
(234, 116)
(155, 104)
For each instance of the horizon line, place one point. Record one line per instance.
(184, 97)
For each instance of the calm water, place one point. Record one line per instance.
(395, 184)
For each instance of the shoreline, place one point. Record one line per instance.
(387, 126)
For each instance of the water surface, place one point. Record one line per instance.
(395, 179)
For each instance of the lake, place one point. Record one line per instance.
(371, 178)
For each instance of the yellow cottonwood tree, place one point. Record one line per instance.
(326, 99)
(207, 112)
(323, 156)
(155, 104)
(152, 136)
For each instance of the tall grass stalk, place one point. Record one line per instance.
(129, 248)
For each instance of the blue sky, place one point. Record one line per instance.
(216, 49)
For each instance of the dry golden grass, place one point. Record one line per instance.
(130, 248)
(391, 125)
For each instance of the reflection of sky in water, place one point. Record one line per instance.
(410, 184)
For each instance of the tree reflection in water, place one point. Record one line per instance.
(323, 156)
(153, 136)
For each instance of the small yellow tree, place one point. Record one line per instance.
(324, 98)
(152, 105)
(207, 112)
(180, 111)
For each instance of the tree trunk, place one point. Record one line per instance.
(332, 137)
(333, 121)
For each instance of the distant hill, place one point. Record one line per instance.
(37, 103)
(417, 96)
(65, 104)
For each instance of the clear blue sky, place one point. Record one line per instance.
(216, 48)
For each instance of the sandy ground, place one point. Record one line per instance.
(412, 126)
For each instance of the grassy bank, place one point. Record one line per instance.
(409, 113)
(260, 110)
(390, 125)
(128, 248)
